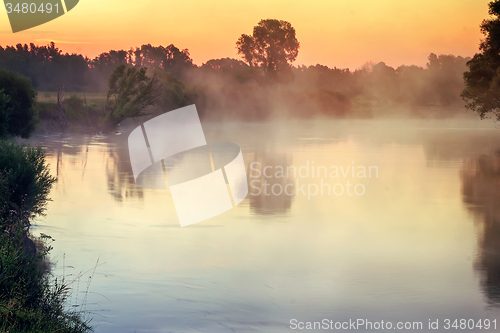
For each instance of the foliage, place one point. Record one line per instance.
(446, 71)
(482, 92)
(29, 302)
(17, 100)
(46, 66)
(226, 65)
(5, 111)
(332, 102)
(231, 88)
(170, 58)
(272, 47)
(26, 180)
(45, 109)
(130, 92)
(174, 93)
(75, 107)
(49, 68)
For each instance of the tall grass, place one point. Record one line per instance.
(29, 300)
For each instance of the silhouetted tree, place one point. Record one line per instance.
(272, 47)
(46, 66)
(323, 77)
(130, 92)
(481, 193)
(17, 100)
(482, 92)
(170, 58)
(174, 92)
(445, 77)
(5, 110)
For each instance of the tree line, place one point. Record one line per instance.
(257, 86)
(267, 57)
(49, 69)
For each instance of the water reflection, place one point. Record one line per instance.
(266, 193)
(73, 151)
(399, 252)
(456, 144)
(481, 194)
(119, 176)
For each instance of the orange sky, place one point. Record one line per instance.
(342, 33)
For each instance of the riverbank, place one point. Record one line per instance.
(85, 111)
(30, 299)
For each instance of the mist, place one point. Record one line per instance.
(230, 89)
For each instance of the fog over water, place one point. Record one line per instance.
(420, 243)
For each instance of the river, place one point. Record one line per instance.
(418, 239)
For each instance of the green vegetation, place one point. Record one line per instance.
(17, 99)
(149, 80)
(482, 89)
(77, 105)
(174, 93)
(272, 47)
(130, 92)
(75, 108)
(25, 175)
(29, 300)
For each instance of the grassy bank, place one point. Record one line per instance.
(83, 111)
(30, 301)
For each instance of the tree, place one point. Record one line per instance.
(17, 101)
(445, 77)
(174, 92)
(272, 47)
(168, 58)
(482, 91)
(5, 111)
(130, 92)
(225, 65)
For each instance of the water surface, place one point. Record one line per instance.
(422, 242)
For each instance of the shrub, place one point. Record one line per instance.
(45, 109)
(29, 301)
(25, 178)
(174, 93)
(18, 109)
(75, 108)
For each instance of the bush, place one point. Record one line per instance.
(45, 109)
(25, 180)
(75, 108)
(29, 302)
(18, 110)
(174, 93)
